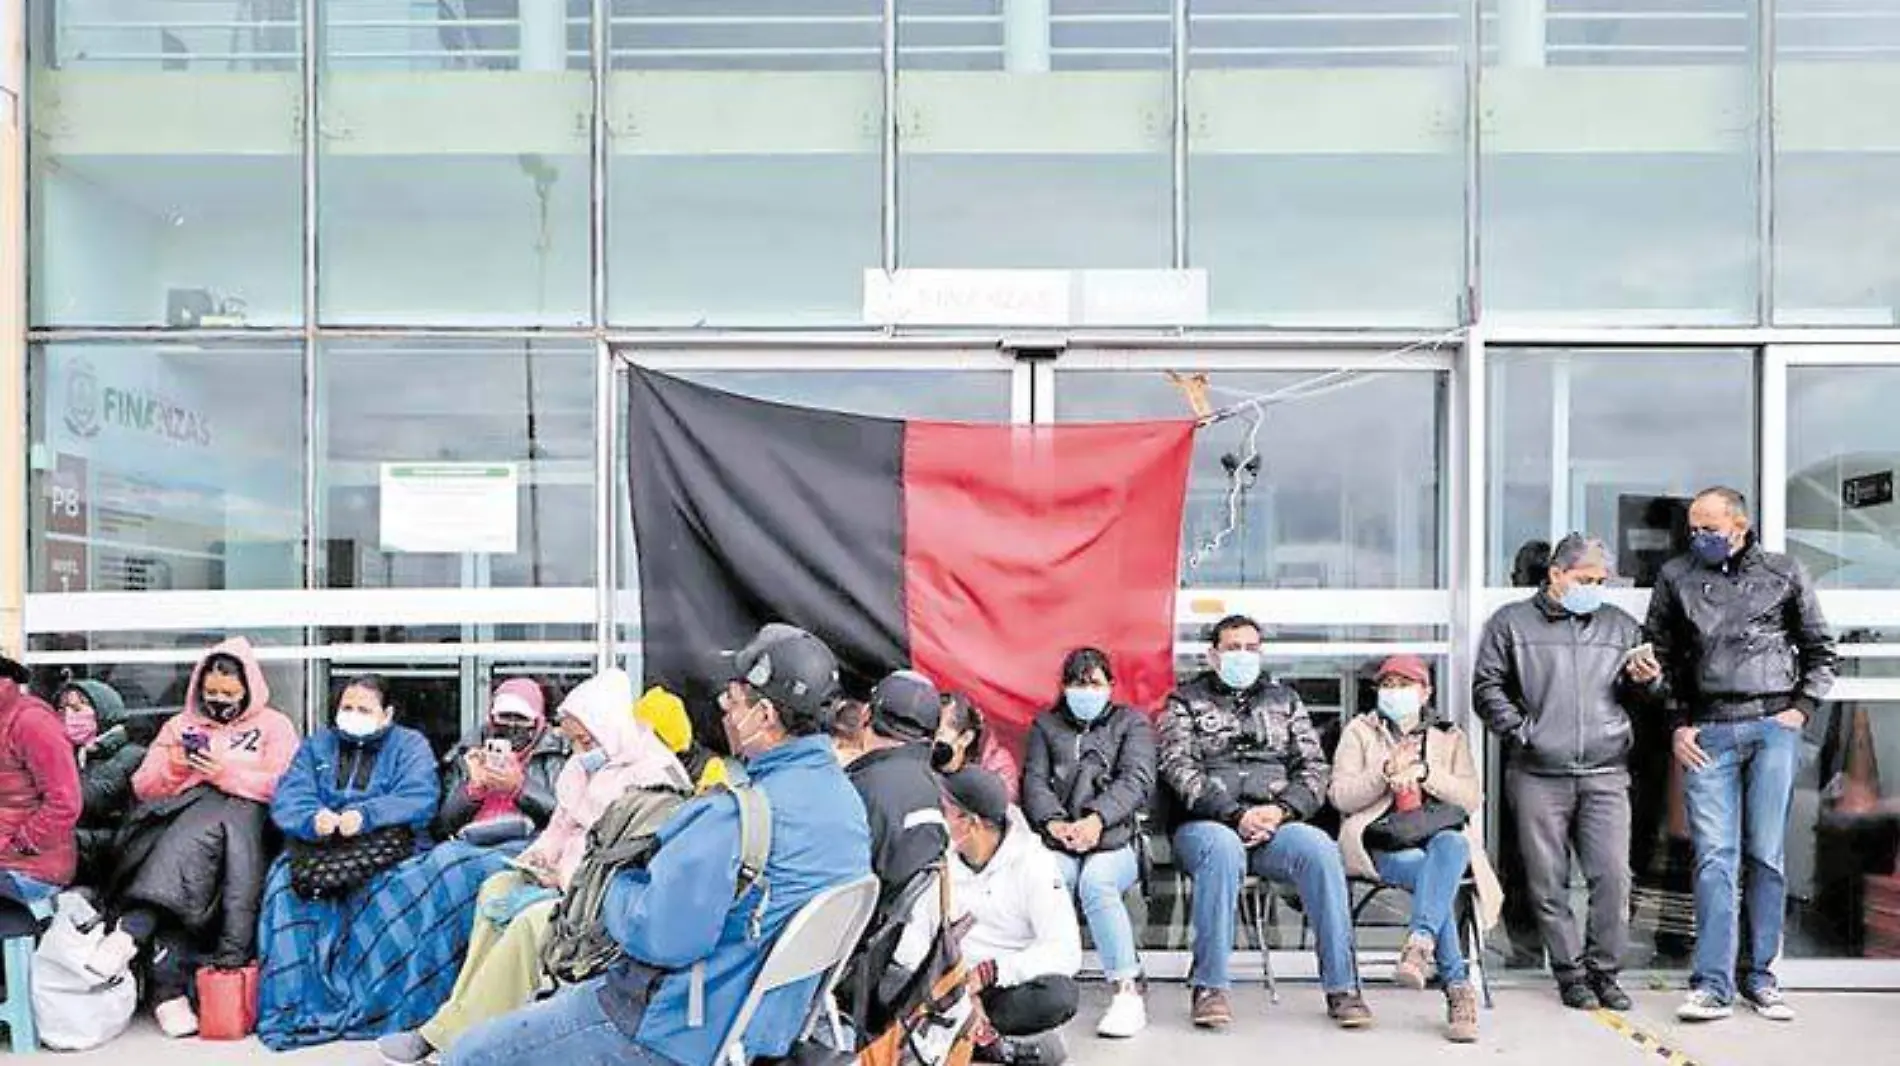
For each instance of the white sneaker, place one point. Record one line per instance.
(1127, 1015)
(1769, 1003)
(176, 1019)
(1701, 1006)
(112, 959)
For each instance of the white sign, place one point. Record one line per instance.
(449, 507)
(1050, 298)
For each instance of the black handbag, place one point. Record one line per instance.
(1398, 830)
(335, 867)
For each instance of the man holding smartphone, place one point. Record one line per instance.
(1748, 657)
(1557, 678)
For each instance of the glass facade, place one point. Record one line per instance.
(1466, 273)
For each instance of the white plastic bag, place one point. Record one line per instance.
(73, 1010)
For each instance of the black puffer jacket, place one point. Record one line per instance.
(1741, 640)
(201, 857)
(1105, 768)
(904, 803)
(105, 780)
(1552, 684)
(1224, 751)
(537, 799)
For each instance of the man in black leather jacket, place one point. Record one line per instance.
(1748, 657)
(1555, 679)
(1246, 770)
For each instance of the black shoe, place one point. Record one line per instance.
(1577, 995)
(1609, 993)
(1045, 1050)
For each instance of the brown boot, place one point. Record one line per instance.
(1461, 1013)
(1348, 1010)
(1415, 962)
(1211, 1009)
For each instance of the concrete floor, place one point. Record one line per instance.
(1527, 1026)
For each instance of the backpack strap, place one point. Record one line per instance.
(755, 850)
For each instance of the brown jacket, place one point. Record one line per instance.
(1360, 792)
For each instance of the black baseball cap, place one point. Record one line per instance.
(906, 706)
(978, 792)
(788, 666)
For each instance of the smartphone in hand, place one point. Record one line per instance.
(497, 754)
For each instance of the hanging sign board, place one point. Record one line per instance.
(449, 507)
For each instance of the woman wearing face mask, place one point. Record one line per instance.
(1407, 787)
(334, 967)
(1088, 770)
(506, 774)
(614, 751)
(94, 718)
(961, 732)
(189, 867)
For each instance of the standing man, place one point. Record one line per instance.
(1557, 678)
(1746, 654)
(1247, 771)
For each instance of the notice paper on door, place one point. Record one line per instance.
(449, 507)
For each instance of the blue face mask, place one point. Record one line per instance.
(1711, 547)
(1583, 599)
(1239, 670)
(1087, 704)
(593, 759)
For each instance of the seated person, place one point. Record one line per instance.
(901, 795)
(189, 868)
(850, 729)
(962, 735)
(94, 718)
(682, 928)
(1247, 774)
(1023, 946)
(1090, 770)
(39, 794)
(666, 715)
(338, 968)
(614, 752)
(508, 771)
(1404, 757)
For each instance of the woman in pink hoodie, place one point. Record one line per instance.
(614, 752)
(191, 863)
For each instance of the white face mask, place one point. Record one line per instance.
(1401, 706)
(358, 724)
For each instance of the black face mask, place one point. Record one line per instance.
(941, 756)
(519, 737)
(221, 710)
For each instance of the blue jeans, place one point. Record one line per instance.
(1299, 855)
(570, 1029)
(1099, 881)
(1432, 875)
(1738, 816)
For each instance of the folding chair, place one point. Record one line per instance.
(1470, 929)
(817, 941)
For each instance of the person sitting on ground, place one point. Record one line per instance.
(1023, 946)
(1408, 788)
(901, 794)
(665, 714)
(39, 794)
(961, 731)
(94, 719)
(614, 753)
(506, 773)
(693, 942)
(189, 868)
(1090, 769)
(347, 963)
(1247, 772)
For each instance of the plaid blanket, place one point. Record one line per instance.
(382, 961)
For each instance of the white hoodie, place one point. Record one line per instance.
(1025, 916)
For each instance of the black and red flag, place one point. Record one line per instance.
(978, 554)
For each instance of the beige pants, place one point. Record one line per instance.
(503, 968)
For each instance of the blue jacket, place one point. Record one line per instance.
(401, 788)
(680, 909)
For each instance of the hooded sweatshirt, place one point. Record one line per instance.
(108, 763)
(516, 696)
(254, 749)
(636, 758)
(39, 789)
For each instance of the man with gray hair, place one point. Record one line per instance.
(1747, 657)
(1556, 678)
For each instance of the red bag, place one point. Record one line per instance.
(227, 1003)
